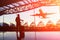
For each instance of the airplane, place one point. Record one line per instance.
(43, 15)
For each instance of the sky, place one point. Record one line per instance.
(26, 16)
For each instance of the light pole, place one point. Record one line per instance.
(35, 24)
(3, 26)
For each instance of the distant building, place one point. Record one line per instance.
(12, 25)
(4, 24)
(40, 24)
(1, 24)
(25, 24)
(58, 23)
(49, 24)
(33, 24)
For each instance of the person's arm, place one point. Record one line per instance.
(21, 20)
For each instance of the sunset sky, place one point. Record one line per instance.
(27, 18)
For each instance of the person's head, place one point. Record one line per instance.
(18, 15)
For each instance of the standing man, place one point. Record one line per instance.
(18, 23)
(19, 27)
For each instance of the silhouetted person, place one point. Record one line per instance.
(19, 27)
(18, 21)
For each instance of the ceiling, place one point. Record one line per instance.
(6, 2)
